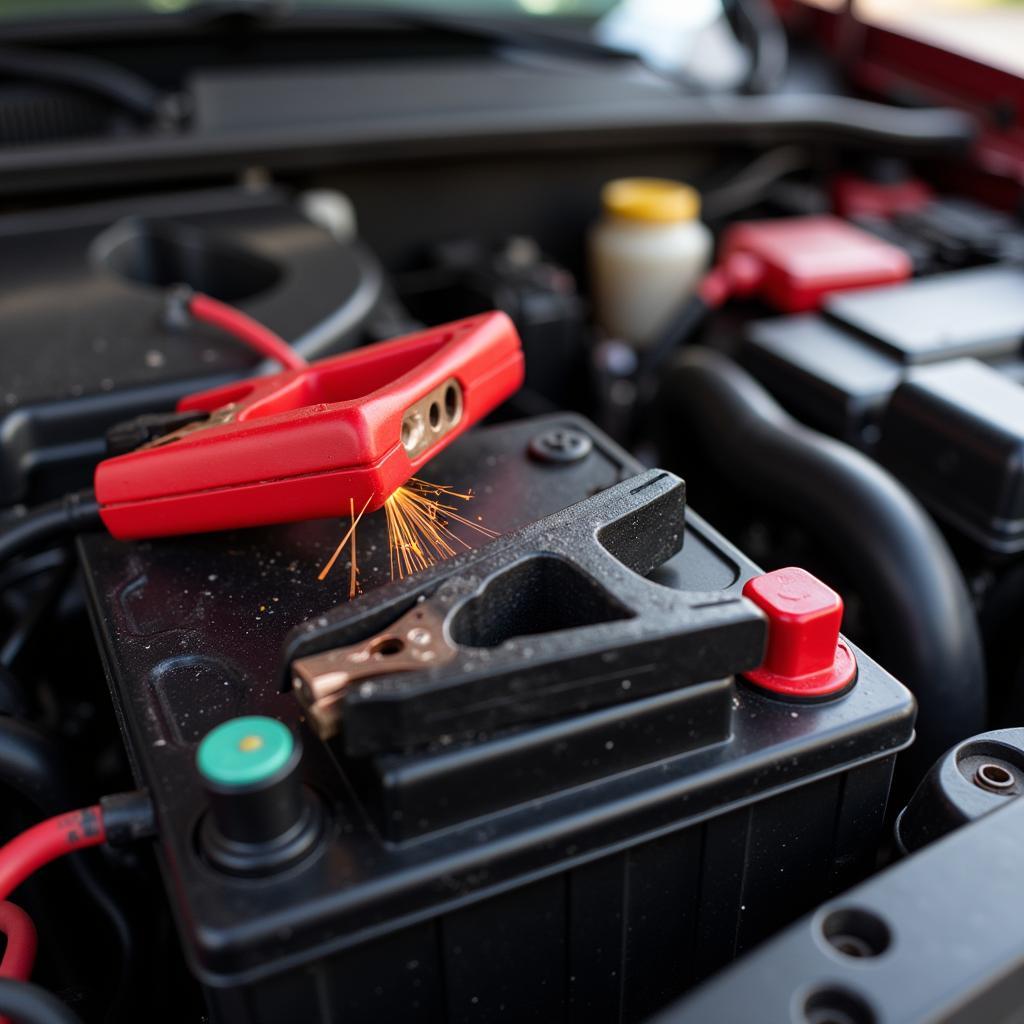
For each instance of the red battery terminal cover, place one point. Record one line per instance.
(794, 262)
(304, 443)
(805, 658)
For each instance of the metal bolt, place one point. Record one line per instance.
(561, 444)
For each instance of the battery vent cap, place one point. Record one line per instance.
(260, 817)
(805, 658)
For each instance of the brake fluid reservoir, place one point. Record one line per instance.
(647, 254)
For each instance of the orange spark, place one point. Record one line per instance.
(421, 521)
(350, 534)
(420, 517)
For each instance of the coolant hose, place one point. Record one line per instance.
(882, 538)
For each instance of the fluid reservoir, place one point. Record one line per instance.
(647, 254)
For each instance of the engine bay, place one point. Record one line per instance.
(495, 529)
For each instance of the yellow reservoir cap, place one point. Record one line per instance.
(656, 200)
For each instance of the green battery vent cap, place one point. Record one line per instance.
(260, 817)
(245, 751)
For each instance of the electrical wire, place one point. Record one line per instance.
(749, 185)
(26, 568)
(40, 769)
(739, 275)
(55, 837)
(25, 1003)
(32, 528)
(20, 952)
(13, 695)
(28, 623)
(243, 328)
(119, 819)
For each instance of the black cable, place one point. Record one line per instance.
(25, 1003)
(752, 183)
(33, 528)
(759, 30)
(884, 540)
(13, 698)
(108, 81)
(26, 568)
(18, 638)
(682, 325)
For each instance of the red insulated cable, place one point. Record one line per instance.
(243, 328)
(20, 953)
(47, 841)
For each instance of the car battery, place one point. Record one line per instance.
(578, 853)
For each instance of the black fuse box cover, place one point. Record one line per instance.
(838, 371)
(589, 868)
(826, 376)
(84, 337)
(954, 432)
(975, 312)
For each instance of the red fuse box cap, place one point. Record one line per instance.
(805, 259)
(805, 658)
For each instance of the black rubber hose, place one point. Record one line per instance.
(25, 1003)
(36, 527)
(759, 29)
(883, 539)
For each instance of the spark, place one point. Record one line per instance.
(420, 518)
(353, 575)
(350, 535)
(421, 521)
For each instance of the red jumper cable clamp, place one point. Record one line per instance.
(303, 443)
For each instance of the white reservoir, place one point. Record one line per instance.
(647, 254)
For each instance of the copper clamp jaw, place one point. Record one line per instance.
(415, 641)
